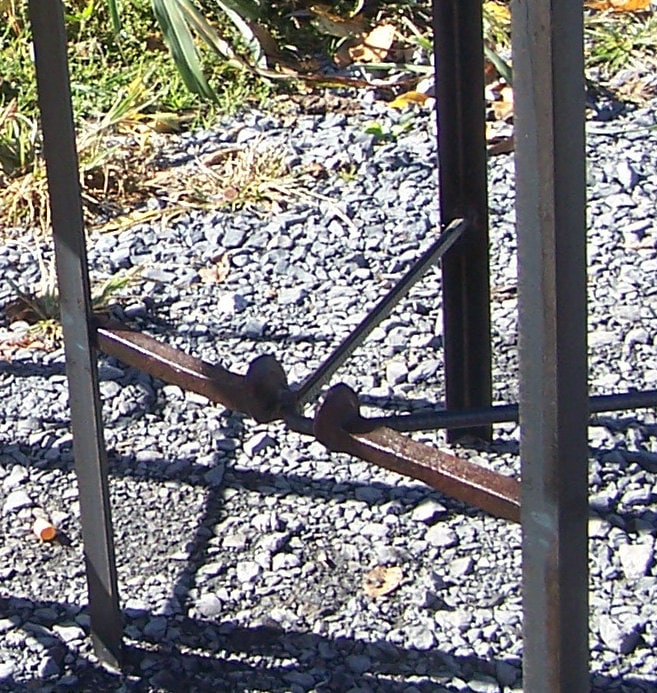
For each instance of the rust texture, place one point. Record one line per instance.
(263, 393)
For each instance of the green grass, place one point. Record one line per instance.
(229, 54)
(102, 66)
(622, 41)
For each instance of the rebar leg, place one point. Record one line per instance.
(551, 220)
(47, 18)
(462, 180)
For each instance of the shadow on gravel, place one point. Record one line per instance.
(192, 654)
(30, 369)
(221, 656)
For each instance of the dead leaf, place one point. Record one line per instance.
(316, 170)
(407, 99)
(230, 194)
(20, 310)
(382, 580)
(374, 47)
(639, 90)
(333, 24)
(490, 72)
(167, 123)
(217, 273)
(501, 145)
(24, 340)
(619, 5)
(503, 107)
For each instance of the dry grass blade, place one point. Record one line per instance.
(107, 171)
(237, 175)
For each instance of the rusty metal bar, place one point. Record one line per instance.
(49, 35)
(339, 426)
(551, 223)
(263, 392)
(458, 41)
(313, 383)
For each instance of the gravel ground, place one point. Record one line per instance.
(242, 549)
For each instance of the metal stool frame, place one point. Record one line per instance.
(554, 406)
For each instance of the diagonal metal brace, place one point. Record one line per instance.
(314, 382)
(340, 427)
(263, 394)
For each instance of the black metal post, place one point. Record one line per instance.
(459, 78)
(551, 222)
(49, 33)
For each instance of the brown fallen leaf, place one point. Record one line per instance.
(382, 580)
(503, 107)
(619, 5)
(408, 98)
(217, 273)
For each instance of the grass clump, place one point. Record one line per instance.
(144, 67)
(625, 41)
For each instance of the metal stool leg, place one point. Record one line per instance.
(462, 188)
(551, 219)
(47, 18)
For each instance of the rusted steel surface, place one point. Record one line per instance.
(339, 425)
(263, 393)
(259, 393)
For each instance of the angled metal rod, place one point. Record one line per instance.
(501, 413)
(549, 138)
(49, 34)
(462, 162)
(338, 424)
(314, 382)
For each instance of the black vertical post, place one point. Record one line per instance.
(49, 34)
(458, 40)
(551, 221)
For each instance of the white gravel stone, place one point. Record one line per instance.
(248, 571)
(442, 536)
(428, 511)
(461, 566)
(396, 372)
(209, 606)
(7, 669)
(16, 477)
(16, 500)
(636, 559)
(258, 443)
(617, 637)
(69, 633)
(231, 303)
(238, 541)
